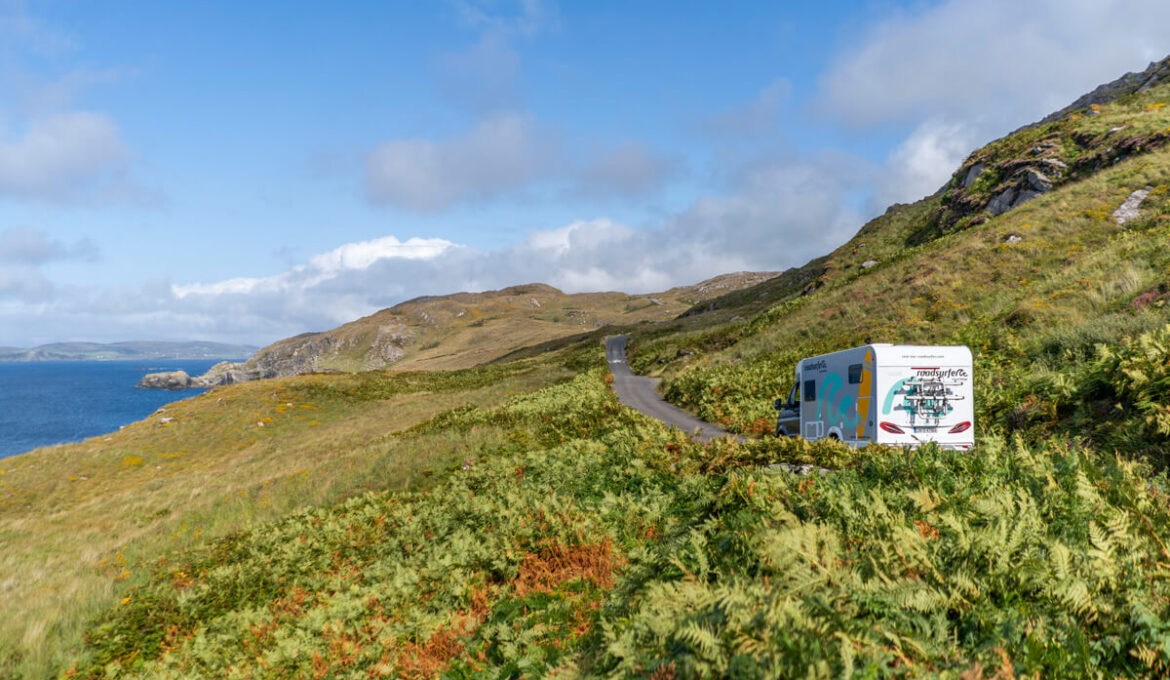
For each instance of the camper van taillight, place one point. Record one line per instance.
(892, 428)
(961, 427)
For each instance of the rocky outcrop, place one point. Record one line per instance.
(1156, 73)
(1129, 210)
(223, 373)
(170, 380)
(1019, 181)
(973, 173)
(1017, 169)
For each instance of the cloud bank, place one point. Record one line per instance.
(782, 215)
(963, 72)
(785, 215)
(501, 153)
(62, 157)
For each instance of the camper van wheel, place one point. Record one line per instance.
(834, 437)
(780, 431)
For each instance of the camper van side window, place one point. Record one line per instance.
(855, 374)
(809, 393)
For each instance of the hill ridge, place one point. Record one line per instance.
(458, 330)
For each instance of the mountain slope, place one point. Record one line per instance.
(465, 329)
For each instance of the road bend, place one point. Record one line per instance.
(641, 394)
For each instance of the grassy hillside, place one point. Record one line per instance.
(585, 541)
(467, 329)
(80, 522)
(514, 520)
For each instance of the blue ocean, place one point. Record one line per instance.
(52, 402)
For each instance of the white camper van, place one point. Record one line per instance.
(886, 394)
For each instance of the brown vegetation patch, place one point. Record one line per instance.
(425, 660)
(555, 564)
(1004, 672)
(925, 529)
(1153, 297)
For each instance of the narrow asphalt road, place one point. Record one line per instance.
(640, 394)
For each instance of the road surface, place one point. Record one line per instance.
(641, 394)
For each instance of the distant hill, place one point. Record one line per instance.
(466, 329)
(96, 351)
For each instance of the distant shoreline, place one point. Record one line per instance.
(127, 351)
(130, 359)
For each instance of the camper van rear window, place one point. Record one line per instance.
(855, 374)
(809, 393)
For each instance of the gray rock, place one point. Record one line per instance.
(655, 301)
(1002, 202)
(1012, 239)
(1037, 181)
(1129, 210)
(973, 174)
(170, 380)
(868, 263)
(166, 419)
(226, 373)
(1112, 130)
(1054, 165)
(1024, 196)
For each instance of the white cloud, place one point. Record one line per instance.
(363, 254)
(24, 283)
(627, 170)
(756, 117)
(590, 234)
(64, 156)
(34, 247)
(1002, 61)
(323, 267)
(503, 152)
(783, 214)
(22, 253)
(922, 162)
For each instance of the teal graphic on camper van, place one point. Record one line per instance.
(844, 412)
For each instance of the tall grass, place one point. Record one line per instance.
(80, 523)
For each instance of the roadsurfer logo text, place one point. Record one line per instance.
(816, 365)
(941, 373)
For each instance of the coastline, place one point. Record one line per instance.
(48, 403)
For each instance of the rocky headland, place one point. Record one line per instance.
(456, 331)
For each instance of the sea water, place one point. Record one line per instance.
(53, 402)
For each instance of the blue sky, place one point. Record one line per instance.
(248, 171)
